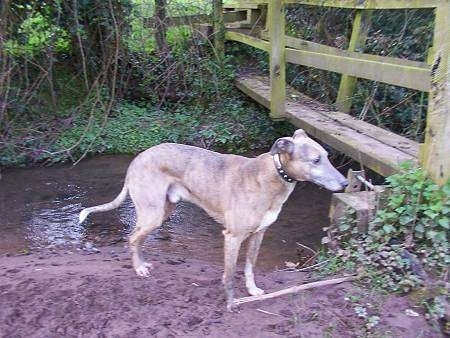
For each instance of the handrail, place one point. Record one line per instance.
(432, 76)
(351, 4)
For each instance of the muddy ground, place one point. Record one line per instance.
(80, 293)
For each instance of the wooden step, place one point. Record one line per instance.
(374, 147)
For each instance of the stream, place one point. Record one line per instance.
(39, 209)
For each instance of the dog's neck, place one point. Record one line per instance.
(280, 170)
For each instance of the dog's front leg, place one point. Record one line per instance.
(254, 243)
(231, 248)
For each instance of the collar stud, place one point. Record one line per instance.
(280, 170)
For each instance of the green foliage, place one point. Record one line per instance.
(182, 95)
(417, 210)
(234, 125)
(406, 245)
(36, 34)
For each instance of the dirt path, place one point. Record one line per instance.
(81, 294)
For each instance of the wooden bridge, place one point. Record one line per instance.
(261, 24)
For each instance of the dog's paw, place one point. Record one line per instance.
(232, 307)
(255, 291)
(143, 270)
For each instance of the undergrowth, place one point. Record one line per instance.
(235, 125)
(406, 246)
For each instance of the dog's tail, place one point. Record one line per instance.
(105, 207)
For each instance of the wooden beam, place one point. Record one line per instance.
(233, 16)
(276, 25)
(354, 4)
(395, 74)
(247, 39)
(372, 146)
(245, 4)
(315, 47)
(368, 4)
(361, 26)
(394, 71)
(435, 154)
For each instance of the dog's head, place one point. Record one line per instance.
(306, 160)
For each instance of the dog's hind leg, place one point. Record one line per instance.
(147, 221)
(254, 243)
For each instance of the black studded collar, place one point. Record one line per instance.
(281, 171)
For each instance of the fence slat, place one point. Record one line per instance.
(355, 4)
(248, 40)
(399, 72)
(366, 4)
(435, 154)
(395, 74)
(361, 26)
(276, 17)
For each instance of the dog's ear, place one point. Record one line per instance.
(299, 133)
(282, 145)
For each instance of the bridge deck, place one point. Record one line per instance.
(374, 147)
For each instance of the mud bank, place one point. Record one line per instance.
(78, 293)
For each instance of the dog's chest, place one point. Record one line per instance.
(268, 218)
(271, 215)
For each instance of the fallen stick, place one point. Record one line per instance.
(295, 289)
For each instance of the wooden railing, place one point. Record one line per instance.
(431, 76)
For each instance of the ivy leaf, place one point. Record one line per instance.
(446, 188)
(388, 228)
(431, 234)
(420, 228)
(404, 220)
(430, 214)
(444, 222)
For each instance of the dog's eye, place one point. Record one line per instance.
(316, 160)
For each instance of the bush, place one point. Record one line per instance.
(406, 246)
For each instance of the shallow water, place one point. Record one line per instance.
(39, 208)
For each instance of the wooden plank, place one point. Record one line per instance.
(404, 73)
(347, 137)
(396, 141)
(315, 47)
(276, 24)
(353, 4)
(369, 4)
(385, 136)
(395, 71)
(404, 76)
(239, 15)
(245, 4)
(247, 39)
(435, 154)
(361, 26)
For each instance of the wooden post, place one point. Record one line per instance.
(276, 21)
(435, 153)
(358, 38)
(160, 25)
(219, 29)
